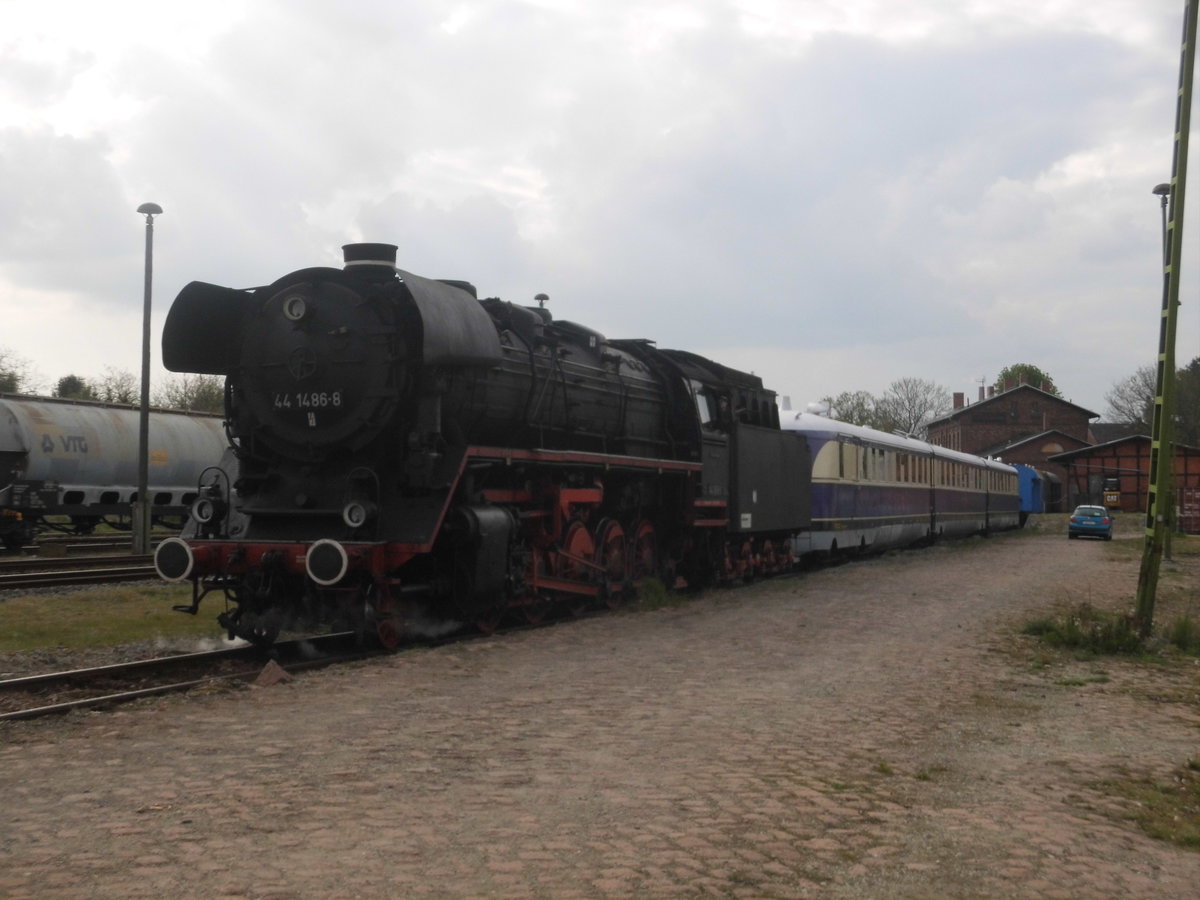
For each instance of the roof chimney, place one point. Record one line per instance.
(960, 400)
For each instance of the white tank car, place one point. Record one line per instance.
(79, 459)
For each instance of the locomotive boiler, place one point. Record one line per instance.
(402, 448)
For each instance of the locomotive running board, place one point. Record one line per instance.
(575, 457)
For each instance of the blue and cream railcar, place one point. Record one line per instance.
(872, 490)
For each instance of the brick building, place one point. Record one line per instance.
(1126, 462)
(1002, 418)
(1021, 425)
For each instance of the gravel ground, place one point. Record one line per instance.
(872, 730)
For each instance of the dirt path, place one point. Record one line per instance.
(862, 731)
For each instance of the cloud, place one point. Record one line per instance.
(853, 192)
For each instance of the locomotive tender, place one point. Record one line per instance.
(78, 459)
(403, 450)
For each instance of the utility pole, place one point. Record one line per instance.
(1159, 514)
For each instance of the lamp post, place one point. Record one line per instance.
(1163, 191)
(141, 509)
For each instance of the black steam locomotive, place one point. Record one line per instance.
(402, 449)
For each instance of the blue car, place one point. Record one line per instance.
(1093, 521)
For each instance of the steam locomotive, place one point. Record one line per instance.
(404, 450)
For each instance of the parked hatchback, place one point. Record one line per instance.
(1093, 521)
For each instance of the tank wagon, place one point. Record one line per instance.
(79, 460)
(401, 448)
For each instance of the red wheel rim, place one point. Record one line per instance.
(389, 620)
(610, 554)
(578, 543)
(643, 551)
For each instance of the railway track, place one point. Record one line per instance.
(27, 573)
(34, 696)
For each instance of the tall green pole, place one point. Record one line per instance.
(1159, 511)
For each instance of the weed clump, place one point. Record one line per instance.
(1184, 635)
(653, 594)
(1105, 633)
(1167, 810)
(1089, 629)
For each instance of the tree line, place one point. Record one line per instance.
(910, 404)
(196, 393)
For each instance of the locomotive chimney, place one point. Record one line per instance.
(378, 256)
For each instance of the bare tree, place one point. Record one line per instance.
(118, 386)
(910, 404)
(1131, 401)
(198, 393)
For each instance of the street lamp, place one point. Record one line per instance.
(141, 509)
(1163, 191)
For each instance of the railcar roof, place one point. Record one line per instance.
(811, 423)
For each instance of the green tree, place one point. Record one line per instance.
(14, 372)
(1187, 405)
(1029, 374)
(72, 387)
(852, 407)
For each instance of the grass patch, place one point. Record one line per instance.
(1098, 632)
(1167, 811)
(102, 616)
(1099, 678)
(1184, 635)
(1089, 629)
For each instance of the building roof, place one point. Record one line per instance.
(1012, 444)
(1069, 455)
(1104, 432)
(971, 407)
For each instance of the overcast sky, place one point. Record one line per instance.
(833, 194)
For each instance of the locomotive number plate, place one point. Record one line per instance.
(309, 400)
